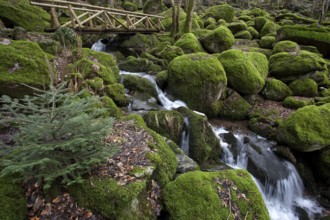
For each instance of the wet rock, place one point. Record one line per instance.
(185, 164)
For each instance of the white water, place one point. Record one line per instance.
(98, 46)
(164, 100)
(184, 143)
(280, 198)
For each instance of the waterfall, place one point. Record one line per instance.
(98, 46)
(184, 142)
(163, 99)
(281, 194)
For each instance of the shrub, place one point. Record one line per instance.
(60, 136)
(67, 37)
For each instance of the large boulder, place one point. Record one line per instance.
(304, 87)
(219, 40)
(195, 195)
(189, 43)
(275, 90)
(199, 80)
(246, 72)
(235, 107)
(224, 11)
(315, 36)
(288, 67)
(22, 13)
(138, 64)
(22, 62)
(307, 129)
(286, 46)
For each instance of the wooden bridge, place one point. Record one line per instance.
(96, 19)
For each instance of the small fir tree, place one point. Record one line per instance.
(60, 136)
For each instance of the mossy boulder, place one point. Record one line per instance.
(267, 42)
(22, 13)
(286, 46)
(269, 29)
(259, 23)
(243, 35)
(258, 12)
(166, 122)
(304, 87)
(315, 36)
(223, 11)
(235, 107)
(245, 71)
(138, 64)
(195, 195)
(154, 6)
(307, 129)
(266, 52)
(295, 102)
(275, 90)
(237, 26)
(140, 84)
(189, 44)
(112, 109)
(117, 92)
(254, 33)
(167, 21)
(209, 20)
(50, 46)
(137, 44)
(161, 79)
(22, 62)
(12, 199)
(288, 67)
(219, 40)
(199, 80)
(204, 145)
(170, 52)
(130, 6)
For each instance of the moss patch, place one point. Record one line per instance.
(189, 43)
(195, 195)
(275, 90)
(304, 87)
(219, 40)
(235, 108)
(223, 11)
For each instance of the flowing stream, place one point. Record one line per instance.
(277, 179)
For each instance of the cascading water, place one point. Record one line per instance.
(278, 180)
(184, 142)
(98, 46)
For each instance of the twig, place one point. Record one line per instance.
(229, 204)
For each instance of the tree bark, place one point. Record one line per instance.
(173, 28)
(188, 23)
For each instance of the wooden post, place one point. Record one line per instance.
(54, 23)
(71, 16)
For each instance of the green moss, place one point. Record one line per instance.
(199, 80)
(267, 42)
(237, 26)
(243, 35)
(223, 11)
(245, 18)
(189, 43)
(254, 33)
(325, 92)
(315, 36)
(269, 29)
(259, 23)
(96, 83)
(257, 12)
(113, 110)
(133, 64)
(307, 129)
(286, 46)
(235, 108)
(242, 70)
(209, 21)
(140, 84)
(22, 62)
(154, 6)
(220, 39)
(161, 79)
(129, 6)
(139, 43)
(170, 52)
(195, 195)
(67, 37)
(22, 13)
(116, 92)
(266, 52)
(12, 200)
(50, 46)
(167, 21)
(167, 123)
(106, 197)
(275, 90)
(304, 87)
(297, 102)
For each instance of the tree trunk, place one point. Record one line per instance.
(173, 28)
(323, 10)
(188, 23)
(177, 19)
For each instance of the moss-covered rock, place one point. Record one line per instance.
(12, 199)
(138, 43)
(170, 52)
(258, 12)
(267, 52)
(22, 13)
(219, 40)
(286, 46)
(167, 123)
(189, 44)
(154, 7)
(130, 6)
(197, 194)
(204, 145)
(259, 23)
(138, 64)
(291, 66)
(209, 20)
(161, 79)
(111, 107)
(304, 87)
(140, 84)
(254, 33)
(243, 35)
(315, 36)
(295, 102)
(117, 92)
(275, 90)
(199, 80)
(50, 46)
(235, 107)
(269, 29)
(245, 71)
(167, 21)
(223, 11)
(237, 26)
(22, 62)
(307, 129)
(267, 42)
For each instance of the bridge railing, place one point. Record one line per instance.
(91, 18)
